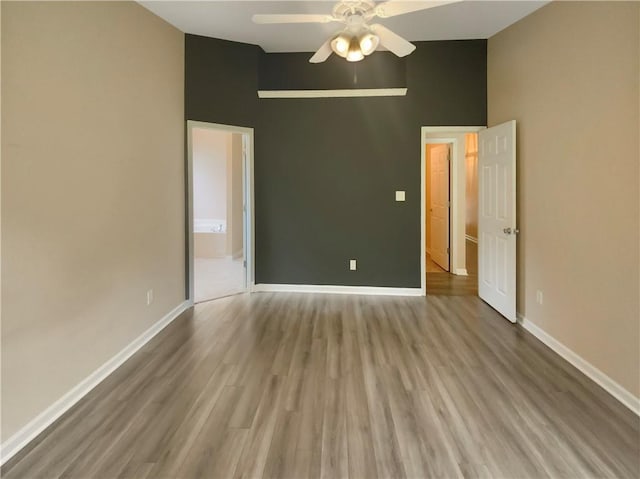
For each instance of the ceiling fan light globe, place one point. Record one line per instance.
(340, 45)
(355, 56)
(355, 53)
(368, 43)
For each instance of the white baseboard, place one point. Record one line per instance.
(330, 289)
(43, 420)
(461, 272)
(589, 370)
(471, 238)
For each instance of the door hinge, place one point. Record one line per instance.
(447, 250)
(449, 204)
(244, 263)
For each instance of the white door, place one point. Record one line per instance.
(439, 191)
(497, 227)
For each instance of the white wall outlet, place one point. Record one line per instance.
(400, 195)
(352, 265)
(539, 297)
(149, 297)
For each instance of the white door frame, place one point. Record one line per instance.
(248, 198)
(437, 135)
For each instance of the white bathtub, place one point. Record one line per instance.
(209, 238)
(209, 226)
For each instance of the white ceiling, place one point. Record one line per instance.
(231, 20)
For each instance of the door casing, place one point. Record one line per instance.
(248, 199)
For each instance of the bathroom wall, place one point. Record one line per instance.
(235, 197)
(211, 150)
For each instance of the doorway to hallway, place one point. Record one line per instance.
(450, 204)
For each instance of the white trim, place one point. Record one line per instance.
(461, 272)
(47, 417)
(348, 93)
(449, 129)
(248, 182)
(423, 218)
(471, 238)
(331, 289)
(588, 369)
(424, 139)
(219, 126)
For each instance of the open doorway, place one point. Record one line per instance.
(450, 210)
(219, 213)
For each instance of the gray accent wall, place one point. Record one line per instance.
(326, 169)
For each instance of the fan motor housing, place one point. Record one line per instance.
(356, 12)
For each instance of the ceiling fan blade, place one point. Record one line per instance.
(393, 8)
(393, 42)
(292, 18)
(323, 53)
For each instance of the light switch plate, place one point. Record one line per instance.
(399, 195)
(352, 264)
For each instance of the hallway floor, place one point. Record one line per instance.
(439, 282)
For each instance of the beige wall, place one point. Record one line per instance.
(569, 75)
(92, 191)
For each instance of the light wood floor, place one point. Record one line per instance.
(297, 386)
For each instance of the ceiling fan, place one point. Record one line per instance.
(357, 38)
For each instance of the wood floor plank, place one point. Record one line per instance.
(335, 453)
(216, 450)
(362, 461)
(254, 455)
(385, 442)
(322, 386)
(172, 452)
(281, 458)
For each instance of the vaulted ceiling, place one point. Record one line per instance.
(231, 20)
